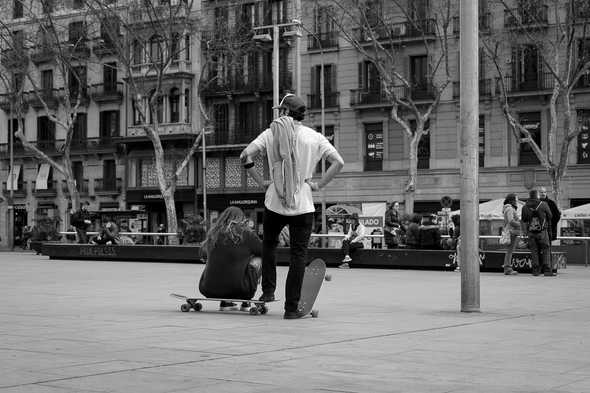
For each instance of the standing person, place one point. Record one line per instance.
(292, 150)
(555, 213)
(233, 251)
(392, 225)
(511, 224)
(413, 231)
(536, 218)
(353, 240)
(81, 220)
(161, 239)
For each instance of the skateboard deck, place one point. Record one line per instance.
(315, 273)
(196, 303)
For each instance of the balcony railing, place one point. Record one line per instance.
(13, 58)
(485, 88)
(398, 31)
(42, 54)
(104, 46)
(236, 136)
(163, 129)
(583, 82)
(50, 191)
(47, 146)
(240, 85)
(20, 193)
(108, 186)
(320, 41)
(17, 149)
(107, 92)
(7, 102)
(82, 187)
(51, 97)
(368, 97)
(533, 16)
(331, 100)
(484, 23)
(543, 82)
(79, 49)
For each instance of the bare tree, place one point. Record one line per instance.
(562, 51)
(378, 31)
(46, 34)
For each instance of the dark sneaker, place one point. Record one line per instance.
(293, 315)
(549, 274)
(227, 306)
(510, 272)
(245, 306)
(267, 297)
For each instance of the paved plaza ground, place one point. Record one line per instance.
(71, 326)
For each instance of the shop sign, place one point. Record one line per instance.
(234, 202)
(98, 251)
(375, 221)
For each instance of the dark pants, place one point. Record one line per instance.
(539, 246)
(300, 232)
(82, 236)
(349, 247)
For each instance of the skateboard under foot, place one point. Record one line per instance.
(257, 307)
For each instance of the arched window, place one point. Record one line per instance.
(187, 105)
(174, 100)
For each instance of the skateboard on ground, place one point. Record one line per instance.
(315, 273)
(196, 303)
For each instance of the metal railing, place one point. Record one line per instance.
(324, 40)
(331, 100)
(526, 16)
(108, 185)
(543, 81)
(107, 91)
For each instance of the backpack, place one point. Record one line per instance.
(537, 223)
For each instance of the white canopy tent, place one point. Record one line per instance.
(577, 213)
(492, 210)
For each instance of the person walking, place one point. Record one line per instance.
(536, 218)
(293, 151)
(392, 225)
(353, 240)
(81, 220)
(512, 225)
(233, 263)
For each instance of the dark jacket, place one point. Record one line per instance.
(543, 210)
(391, 219)
(430, 237)
(228, 273)
(555, 217)
(413, 235)
(77, 219)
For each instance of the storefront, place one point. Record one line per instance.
(252, 205)
(151, 203)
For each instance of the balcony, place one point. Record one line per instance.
(89, 145)
(237, 136)
(14, 58)
(82, 187)
(519, 18)
(51, 97)
(240, 85)
(107, 92)
(484, 23)
(18, 149)
(20, 193)
(322, 41)
(48, 146)
(108, 186)
(164, 129)
(42, 54)
(7, 102)
(153, 13)
(331, 101)
(104, 46)
(79, 49)
(403, 31)
(543, 84)
(365, 97)
(74, 94)
(51, 190)
(583, 82)
(485, 89)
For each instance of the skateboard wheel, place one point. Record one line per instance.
(315, 313)
(328, 277)
(185, 307)
(253, 311)
(262, 309)
(197, 306)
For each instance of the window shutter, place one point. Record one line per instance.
(361, 74)
(332, 82)
(515, 62)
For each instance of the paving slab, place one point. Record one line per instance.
(84, 326)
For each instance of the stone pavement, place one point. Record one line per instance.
(68, 326)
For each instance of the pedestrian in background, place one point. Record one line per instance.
(392, 225)
(81, 220)
(413, 231)
(353, 240)
(161, 239)
(536, 218)
(429, 233)
(512, 225)
(555, 213)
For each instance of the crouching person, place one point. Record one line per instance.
(234, 261)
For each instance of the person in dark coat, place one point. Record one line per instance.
(392, 225)
(555, 213)
(430, 233)
(413, 231)
(536, 219)
(81, 220)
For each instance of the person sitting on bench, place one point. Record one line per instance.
(429, 233)
(234, 261)
(353, 240)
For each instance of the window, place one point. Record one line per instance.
(329, 86)
(80, 131)
(187, 105)
(526, 67)
(77, 82)
(221, 123)
(248, 119)
(419, 72)
(329, 134)
(16, 142)
(187, 47)
(137, 111)
(77, 4)
(374, 147)
(175, 47)
(17, 9)
(423, 146)
(109, 175)
(18, 37)
(45, 133)
(532, 122)
(369, 78)
(46, 80)
(323, 21)
(419, 9)
(77, 32)
(109, 74)
(221, 20)
(584, 136)
(583, 58)
(109, 30)
(174, 105)
(156, 53)
(78, 172)
(137, 52)
(482, 140)
(108, 125)
(18, 81)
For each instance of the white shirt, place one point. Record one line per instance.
(357, 235)
(310, 147)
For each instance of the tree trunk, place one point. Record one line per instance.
(556, 185)
(410, 191)
(172, 222)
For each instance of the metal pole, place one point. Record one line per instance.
(12, 181)
(323, 123)
(275, 69)
(469, 101)
(204, 143)
(298, 51)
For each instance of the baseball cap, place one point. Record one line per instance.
(291, 102)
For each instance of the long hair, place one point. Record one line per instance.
(510, 200)
(231, 223)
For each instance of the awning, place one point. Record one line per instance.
(12, 181)
(42, 176)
